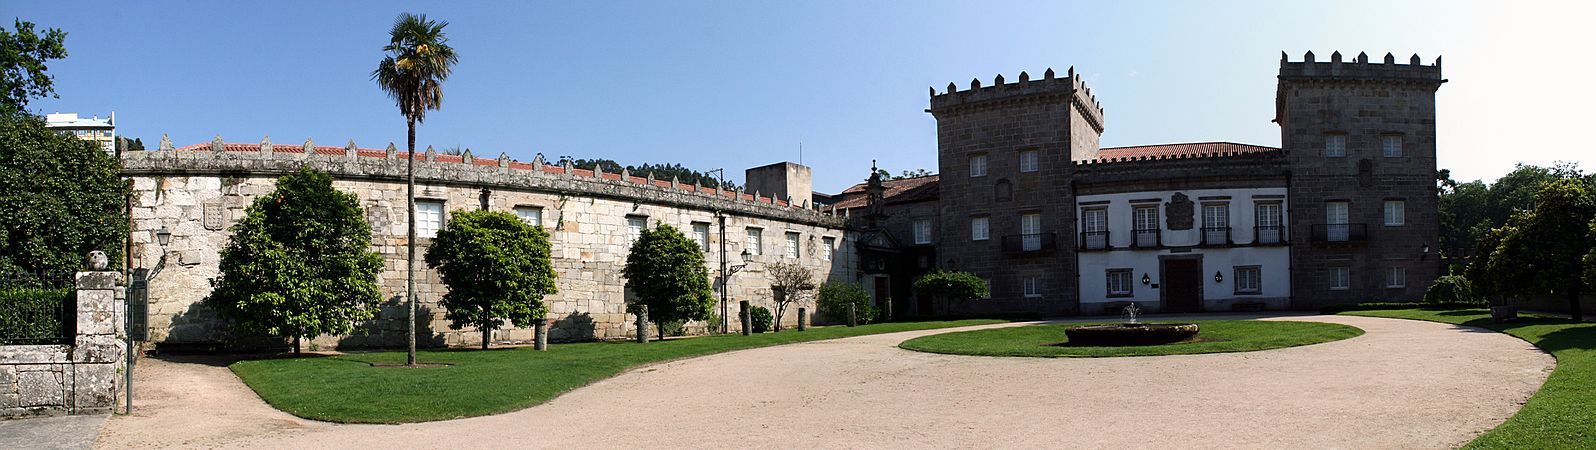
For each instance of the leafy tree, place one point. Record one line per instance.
(1450, 289)
(791, 283)
(418, 59)
(23, 53)
(834, 298)
(497, 268)
(660, 171)
(955, 286)
(666, 271)
(916, 173)
(124, 144)
(1480, 269)
(1557, 233)
(60, 198)
(300, 263)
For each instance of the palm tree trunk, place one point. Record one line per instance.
(410, 261)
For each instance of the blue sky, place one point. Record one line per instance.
(738, 84)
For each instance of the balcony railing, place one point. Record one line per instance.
(1145, 238)
(1094, 240)
(1025, 243)
(1216, 236)
(1268, 235)
(1340, 233)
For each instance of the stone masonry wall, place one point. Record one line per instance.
(82, 378)
(198, 193)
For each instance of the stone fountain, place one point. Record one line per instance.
(1130, 332)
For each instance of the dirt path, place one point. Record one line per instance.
(1406, 384)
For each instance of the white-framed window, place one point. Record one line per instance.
(922, 231)
(1267, 217)
(828, 247)
(701, 235)
(1119, 283)
(1145, 222)
(980, 228)
(1395, 214)
(1031, 232)
(756, 242)
(1094, 228)
(532, 215)
(792, 245)
(978, 165)
(429, 218)
(1249, 279)
(1335, 219)
(1391, 145)
(634, 228)
(1030, 161)
(1340, 278)
(1335, 145)
(1396, 277)
(1033, 287)
(1216, 223)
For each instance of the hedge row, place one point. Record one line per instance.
(1369, 306)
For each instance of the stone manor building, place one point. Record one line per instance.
(1344, 211)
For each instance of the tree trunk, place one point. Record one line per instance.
(781, 308)
(296, 346)
(410, 242)
(661, 330)
(1573, 306)
(487, 336)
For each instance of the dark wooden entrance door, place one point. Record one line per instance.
(1183, 286)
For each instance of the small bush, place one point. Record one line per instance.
(834, 298)
(1452, 289)
(675, 328)
(762, 319)
(29, 314)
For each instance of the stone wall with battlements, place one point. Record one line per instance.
(199, 191)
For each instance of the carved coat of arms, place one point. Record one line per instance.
(1178, 213)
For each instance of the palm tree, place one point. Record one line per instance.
(417, 60)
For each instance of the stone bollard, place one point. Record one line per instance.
(540, 334)
(853, 316)
(803, 315)
(642, 324)
(748, 320)
(888, 316)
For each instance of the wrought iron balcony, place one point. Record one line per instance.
(1340, 233)
(1213, 236)
(1094, 240)
(1146, 238)
(1268, 235)
(1027, 243)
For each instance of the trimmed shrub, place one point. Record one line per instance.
(762, 319)
(28, 315)
(1452, 289)
(834, 298)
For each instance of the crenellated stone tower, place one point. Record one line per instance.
(1360, 140)
(1005, 153)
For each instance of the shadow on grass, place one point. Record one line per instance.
(224, 360)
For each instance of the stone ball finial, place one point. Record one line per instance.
(98, 261)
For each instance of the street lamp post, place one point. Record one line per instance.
(725, 275)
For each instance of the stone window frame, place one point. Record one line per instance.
(792, 243)
(914, 231)
(517, 209)
(1330, 151)
(754, 240)
(986, 227)
(984, 165)
(1385, 148)
(828, 246)
(1031, 286)
(1035, 160)
(631, 236)
(1129, 282)
(1257, 272)
(443, 216)
(1396, 277)
(1345, 278)
(703, 240)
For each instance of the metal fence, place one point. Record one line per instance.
(37, 308)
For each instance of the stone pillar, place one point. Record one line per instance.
(99, 353)
(642, 324)
(888, 316)
(803, 315)
(853, 316)
(747, 317)
(540, 336)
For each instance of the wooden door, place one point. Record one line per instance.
(1182, 290)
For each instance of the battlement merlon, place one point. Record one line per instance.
(1048, 88)
(1360, 69)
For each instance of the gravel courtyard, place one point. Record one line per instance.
(1403, 384)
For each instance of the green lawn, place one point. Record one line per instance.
(346, 388)
(1563, 413)
(1218, 336)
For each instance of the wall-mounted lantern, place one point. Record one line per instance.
(1219, 277)
(163, 236)
(1146, 279)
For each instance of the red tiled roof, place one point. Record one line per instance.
(460, 159)
(899, 190)
(1177, 150)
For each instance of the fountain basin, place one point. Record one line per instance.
(1119, 335)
